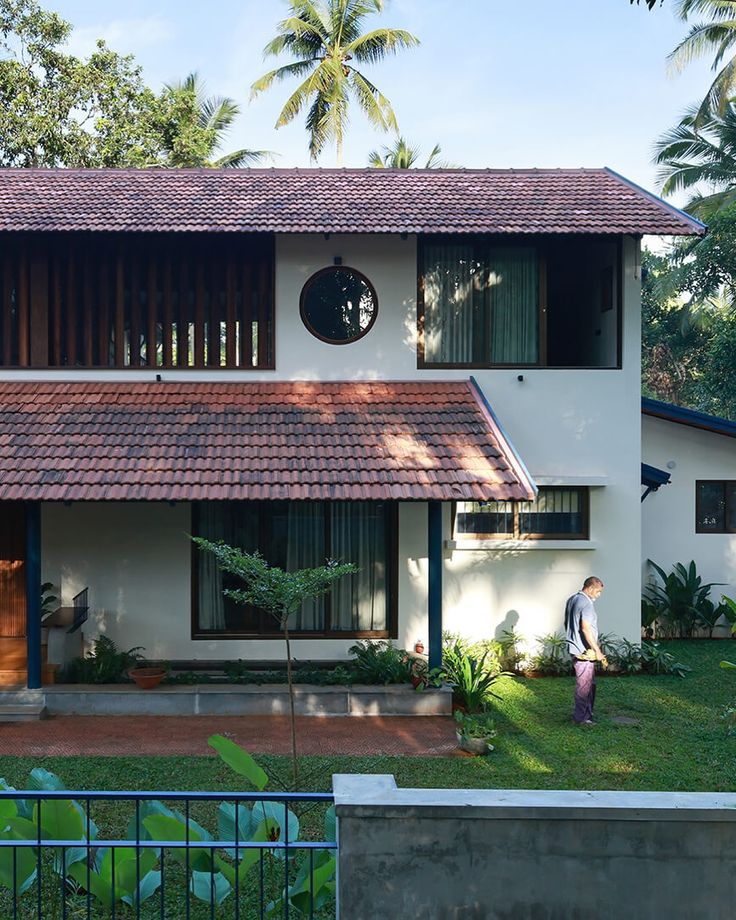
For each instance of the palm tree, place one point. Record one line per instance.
(400, 155)
(324, 36)
(689, 157)
(201, 122)
(716, 35)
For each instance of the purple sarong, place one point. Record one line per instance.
(584, 690)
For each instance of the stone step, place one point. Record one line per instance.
(22, 712)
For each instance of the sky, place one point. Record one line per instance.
(497, 83)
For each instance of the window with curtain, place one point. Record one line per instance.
(481, 303)
(556, 513)
(297, 535)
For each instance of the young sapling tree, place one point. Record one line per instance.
(278, 592)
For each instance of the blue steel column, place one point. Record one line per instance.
(434, 577)
(33, 593)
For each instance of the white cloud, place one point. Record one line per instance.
(126, 36)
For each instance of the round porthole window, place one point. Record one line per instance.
(338, 305)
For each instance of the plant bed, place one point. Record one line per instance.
(237, 699)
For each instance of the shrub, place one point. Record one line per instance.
(656, 660)
(680, 600)
(104, 663)
(380, 663)
(471, 678)
(510, 655)
(552, 657)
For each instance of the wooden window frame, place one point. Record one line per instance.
(65, 299)
(392, 559)
(517, 535)
(330, 269)
(478, 240)
(724, 483)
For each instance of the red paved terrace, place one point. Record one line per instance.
(174, 441)
(66, 736)
(334, 201)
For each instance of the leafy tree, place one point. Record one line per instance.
(194, 126)
(278, 592)
(325, 36)
(400, 155)
(650, 3)
(59, 110)
(689, 321)
(691, 156)
(714, 35)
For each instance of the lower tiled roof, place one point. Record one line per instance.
(172, 441)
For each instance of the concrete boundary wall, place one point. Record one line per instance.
(533, 855)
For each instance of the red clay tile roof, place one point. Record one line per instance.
(334, 201)
(189, 441)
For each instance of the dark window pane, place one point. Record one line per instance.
(711, 507)
(731, 507)
(338, 305)
(557, 512)
(294, 535)
(485, 518)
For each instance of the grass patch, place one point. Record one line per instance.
(678, 743)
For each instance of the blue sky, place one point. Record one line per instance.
(497, 83)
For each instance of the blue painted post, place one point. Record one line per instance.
(33, 593)
(434, 577)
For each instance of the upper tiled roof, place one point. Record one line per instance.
(212, 441)
(334, 201)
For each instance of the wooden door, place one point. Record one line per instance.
(12, 570)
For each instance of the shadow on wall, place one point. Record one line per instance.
(507, 624)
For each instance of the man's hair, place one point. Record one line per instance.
(592, 581)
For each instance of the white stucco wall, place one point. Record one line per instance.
(668, 515)
(569, 426)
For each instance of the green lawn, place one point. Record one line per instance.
(679, 742)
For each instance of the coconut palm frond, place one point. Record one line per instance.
(326, 35)
(375, 105)
(217, 113)
(240, 158)
(374, 46)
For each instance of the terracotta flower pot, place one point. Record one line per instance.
(147, 678)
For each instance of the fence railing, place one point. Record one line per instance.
(156, 855)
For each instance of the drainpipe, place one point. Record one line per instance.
(434, 578)
(33, 594)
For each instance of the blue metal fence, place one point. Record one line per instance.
(258, 856)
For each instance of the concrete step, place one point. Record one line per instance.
(22, 712)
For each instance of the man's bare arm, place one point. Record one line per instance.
(590, 639)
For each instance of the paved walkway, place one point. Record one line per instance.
(62, 736)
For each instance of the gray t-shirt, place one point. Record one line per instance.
(579, 607)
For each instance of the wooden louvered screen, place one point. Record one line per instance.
(12, 570)
(138, 302)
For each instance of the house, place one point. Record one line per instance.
(694, 516)
(433, 374)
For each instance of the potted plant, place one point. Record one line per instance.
(474, 732)
(147, 678)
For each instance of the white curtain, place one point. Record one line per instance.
(513, 302)
(450, 304)
(211, 601)
(305, 549)
(359, 536)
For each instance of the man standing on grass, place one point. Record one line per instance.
(581, 632)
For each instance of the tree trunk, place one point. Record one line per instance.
(294, 762)
(338, 145)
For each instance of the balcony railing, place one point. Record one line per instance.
(156, 855)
